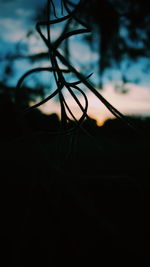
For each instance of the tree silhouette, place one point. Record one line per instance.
(120, 29)
(123, 28)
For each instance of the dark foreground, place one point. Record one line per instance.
(74, 201)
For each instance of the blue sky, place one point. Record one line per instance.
(16, 19)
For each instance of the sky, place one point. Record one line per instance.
(16, 19)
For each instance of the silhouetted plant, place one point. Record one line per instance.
(56, 57)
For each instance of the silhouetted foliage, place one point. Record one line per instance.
(8, 117)
(55, 57)
(119, 33)
(121, 28)
(36, 121)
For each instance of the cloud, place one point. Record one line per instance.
(14, 18)
(82, 52)
(24, 12)
(11, 29)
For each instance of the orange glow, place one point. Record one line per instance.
(135, 102)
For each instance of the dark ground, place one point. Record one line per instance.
(75, 200)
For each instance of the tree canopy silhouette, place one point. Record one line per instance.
(120, 32)
(120, 28)
(123, 27)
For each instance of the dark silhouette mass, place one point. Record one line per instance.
(70, 199)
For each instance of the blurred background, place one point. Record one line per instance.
(116, 52)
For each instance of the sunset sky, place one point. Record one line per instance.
(16, 18)
(136, 102)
